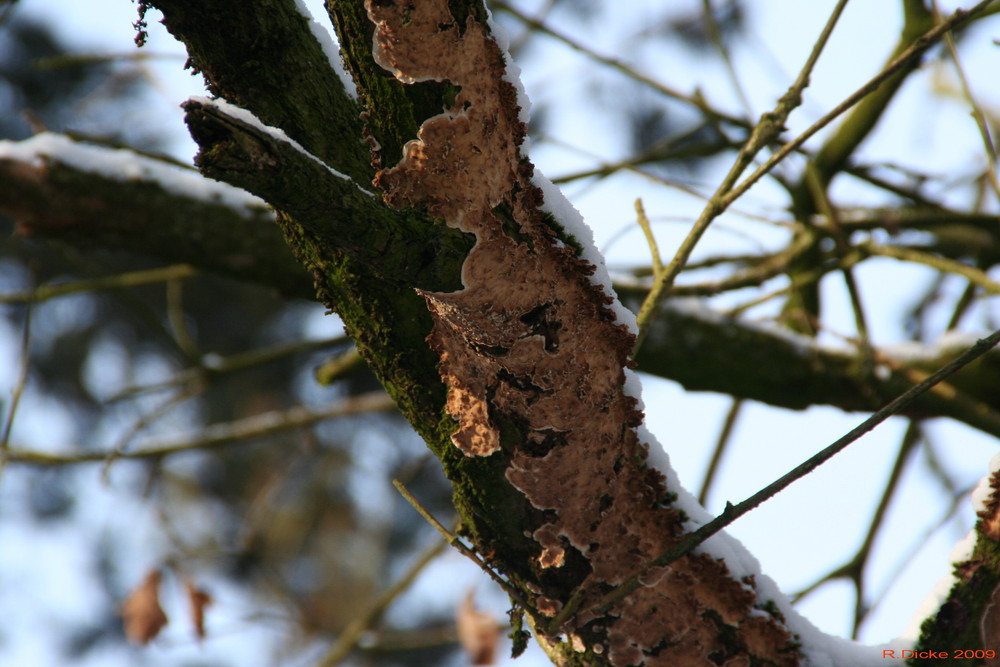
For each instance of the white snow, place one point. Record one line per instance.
(330, 48)
(125, 165)
(511, 74)
(950, 342)
(556, 203)
(277, 133)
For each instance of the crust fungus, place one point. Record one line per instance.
(989, 516)
(534, 361)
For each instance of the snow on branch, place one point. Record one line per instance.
(277, 135)
(129, 166)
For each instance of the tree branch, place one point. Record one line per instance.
(55, 200)
(54, 192)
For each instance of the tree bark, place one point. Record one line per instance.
(477, 310)
(54, 200)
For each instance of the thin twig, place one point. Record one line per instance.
(695, 100)
(732, 415)
(768, 129)
(715, 36)
(826, 208)
(350, 635)
(733, 512)
(977, 111)
(920, 542)
(460, 546)
(854, 568)
(219, 434)
(144, 421)
(212, 365)
(976, 276)
(917, 49)
(176, 319)
(88, 59)
(654, 250)
(130, 279)
(18, 391)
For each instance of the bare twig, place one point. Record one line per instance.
(977, 111)
(18, 391)
(829, 211)
(647, 230)
(453, 540)
(350, 635)
(212, 365)
(145, 420)
(976, 276)
(130, 279)
(220, 434)
(768, 129)
(917, 49)
(715, 35)
(732, 415)
(854, 568)
(695, 100)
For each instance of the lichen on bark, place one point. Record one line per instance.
(533, 359)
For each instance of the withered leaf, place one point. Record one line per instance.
(198, 601)
(479, 633)
(142, 615)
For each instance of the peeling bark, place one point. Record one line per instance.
(534, 364)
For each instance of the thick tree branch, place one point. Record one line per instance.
(263, 57)
(706, 351)
(523, 392)
(54, 200)
(403, 247)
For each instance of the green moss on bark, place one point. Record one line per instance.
(261, 56)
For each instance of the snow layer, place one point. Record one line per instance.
(948, 343)
(330, 48)
(555, 202)
(277, 133)
(125, 165)
(512, 74)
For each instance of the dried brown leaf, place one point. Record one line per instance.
(198, 601)
(479, 633)
(142, 615)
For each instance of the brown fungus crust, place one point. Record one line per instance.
(989, 516)
(534, 364)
